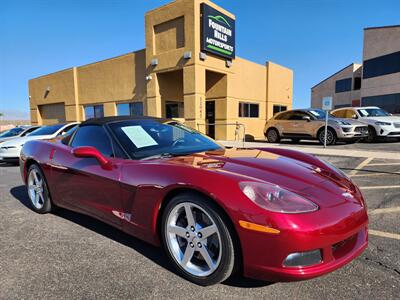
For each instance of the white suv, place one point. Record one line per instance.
(380, 122)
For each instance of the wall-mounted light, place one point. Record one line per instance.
(187, 55)
(228, 63)
(202, 56)
(154, 62)
(148, 77)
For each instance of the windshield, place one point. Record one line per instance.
(373, 112)
(46, 130)
(319, 114)
(12, 132)
(144, 138)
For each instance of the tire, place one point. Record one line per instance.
(218, 247)
(372, 136)
(295, 140)
(273, 135)
(331, 139)
(38, 192)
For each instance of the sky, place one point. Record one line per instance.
(315, 38)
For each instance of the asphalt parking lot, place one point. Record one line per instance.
(68, 255)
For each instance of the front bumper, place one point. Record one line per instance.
(388, 131)
(9, 153)
(339, 243)
(351, 132)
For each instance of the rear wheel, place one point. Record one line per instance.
(197, 239)
(273, 135)
(330, 137)
(38, 191)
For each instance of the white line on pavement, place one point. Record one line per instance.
(361, 165)
(385, 164)
(380, 187)
(383, 210)
(374, 174)
(384, 234)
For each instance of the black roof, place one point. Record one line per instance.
(107, 120)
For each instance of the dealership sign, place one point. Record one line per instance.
(218, 32)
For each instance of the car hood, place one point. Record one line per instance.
(350, 121)
(258, 165)
(22, 140)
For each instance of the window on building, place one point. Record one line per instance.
(382, 65)
(248, 110)
(94, 111)
(357, 83)
(343, 85)
(390, 102)
(278, 108)
(174, 109)
(94, 136)
(130, 109)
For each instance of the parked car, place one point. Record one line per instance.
(275, 214)
(16, 132)
(380, 122)
(310, 124)
(10, 150)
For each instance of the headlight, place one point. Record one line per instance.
(276, 199)
(342, 122)
(383, 123)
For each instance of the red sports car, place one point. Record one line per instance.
(272, 214)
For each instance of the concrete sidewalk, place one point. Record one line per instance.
(318, 150)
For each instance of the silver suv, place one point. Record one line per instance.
(310, 124)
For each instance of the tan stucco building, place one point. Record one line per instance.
(174, 76)
(376, 82)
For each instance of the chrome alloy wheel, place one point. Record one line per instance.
(193, 239)
(272, 136)
(329, 137)
(36, 189)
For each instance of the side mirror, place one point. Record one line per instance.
(307, 118)
(354, 116)
(87, 151)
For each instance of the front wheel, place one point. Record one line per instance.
(273, 135)
(38, 191)
(372, 136)
(330, 137)
(197, 239)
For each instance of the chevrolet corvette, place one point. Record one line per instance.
(270, 214)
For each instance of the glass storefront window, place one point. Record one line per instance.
(94, 111)
(130, 109)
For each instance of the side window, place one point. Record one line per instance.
(94, 136)
(284, 116)
(66, 129)
(29, 131)
(338, 113)
(349, 113)
(297, 115)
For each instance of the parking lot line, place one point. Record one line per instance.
(384, 210)
(384, 234)
(380, 187)
(375, 174)
(384, 164)
(360, 166)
